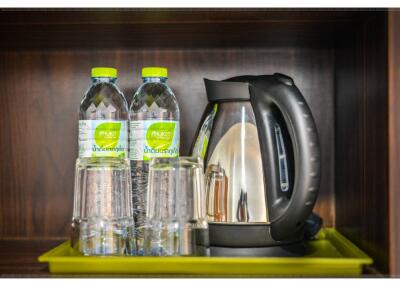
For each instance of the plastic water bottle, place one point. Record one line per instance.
(154, 132)
(103, 219)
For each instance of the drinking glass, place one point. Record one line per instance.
(176, 216)
(102, 219)
(161, 234)
(194, 239)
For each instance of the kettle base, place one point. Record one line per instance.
(298, 249)
(248, 236)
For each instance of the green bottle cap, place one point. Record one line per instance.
(104, 72)
(154, 72)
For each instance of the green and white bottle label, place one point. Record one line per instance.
(153, 138)
(103, 138)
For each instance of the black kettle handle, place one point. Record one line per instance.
(287, 215)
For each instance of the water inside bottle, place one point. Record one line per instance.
(153, 104)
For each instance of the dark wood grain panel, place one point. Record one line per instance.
(394, 138)
(189, 35)
(170, 28)
(361, 137)
(177, 15)
(376, 201)
(42, 91)
(19, 258)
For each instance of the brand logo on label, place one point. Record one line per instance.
(107, 134)
(160, 135)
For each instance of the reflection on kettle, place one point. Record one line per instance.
(261, 151)
(217, 190)
(237, 152)
(242, 210)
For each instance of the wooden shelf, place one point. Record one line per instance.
(19, 257)
(175, 28)
(343, 60)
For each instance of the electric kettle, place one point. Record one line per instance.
(261, 155)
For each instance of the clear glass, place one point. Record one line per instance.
(102, 220)
(194, 239)
(161, 227)
(153, 100)
(176, 217)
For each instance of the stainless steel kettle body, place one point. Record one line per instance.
(262, 161)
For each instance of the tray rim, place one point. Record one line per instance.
(358, 256)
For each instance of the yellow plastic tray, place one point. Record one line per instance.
(331, 254)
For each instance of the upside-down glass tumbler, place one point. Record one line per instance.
(194, 240)
(162, 226)
(176, 217)
(102, 220)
